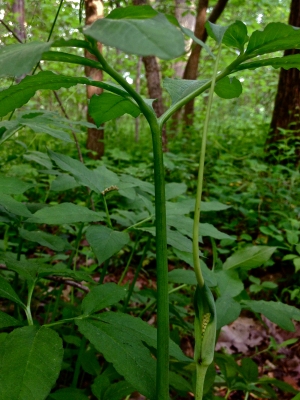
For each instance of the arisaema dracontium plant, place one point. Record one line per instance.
(144, 31)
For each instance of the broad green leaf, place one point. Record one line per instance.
(68, 394)
(277, 312)
(185, 226)
(83, 175)
(180, 88)
(65, 213)
(52, 131)
(18, 95)
(179, 241)
(28, 269)
(11, 185)
(286, 62)
(63, 182)
(179, 383)
(100, 385)
(7, 321)
(213, 206)
(45, 239)
(125, 351)
(249, 257)
(228, 310)
(137, 327)
(236, 36)
(228, 88)
(13, 206)
(39, 158)
(105, 242)
(108, 106)
(31, 359)
(276, 36)
(133, 12)
(175, 189)
(217, 32)
(229, 283)
(105, 177)
(118, 391)
(145, 37)
(61, 269)
(102, 296)
(249, 370)
(19, 59)
(183, 276)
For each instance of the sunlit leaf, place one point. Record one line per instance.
(228, 88)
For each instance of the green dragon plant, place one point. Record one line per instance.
(141, 31)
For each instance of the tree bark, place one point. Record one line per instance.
(285, 123)
(93, 11)
(153, 83)
(191, 69)
(19, 10)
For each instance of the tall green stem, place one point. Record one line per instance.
(196, 259)
(162, 371)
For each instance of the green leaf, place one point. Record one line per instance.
(277, 312)
(7, 292)
(133, 12)
(125, 351)
(45, 239)
(68, 394)
(71, 43)
(249, 370)
(39, 158)
(236, 36)
(145, 37)
(105, 242)
(108, 106)
(228, 310)
(13, 206)
(81, 173)
(28, 269)
(70, 58)
(175, 189)
(296, 262)
(179, 383)
(180, 88)
(228, 88)
(6, 321)
(249, 257)
(18, 95)
(65, 213)
(117, 391)
(209, 230)
(102, 296)
(19, 59)
(11, 185)
(229, 283)
(216, 31)
(286, 62)
(31, 359)
(275, 37)
(63, 182)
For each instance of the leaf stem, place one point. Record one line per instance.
(162, 371)
(28, 309)
(107, 212)
(196, 259)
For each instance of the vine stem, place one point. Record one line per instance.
(163, 330)
(196, 225)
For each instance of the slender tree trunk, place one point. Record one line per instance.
(191, 69)
(93, 11)
(153, 83)
(19, 11)
(285, 123)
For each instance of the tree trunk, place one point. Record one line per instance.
(19, 11)
(93, 11)
(191, 69)
(153, 83)
(285, 123)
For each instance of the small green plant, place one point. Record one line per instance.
(32, 353)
